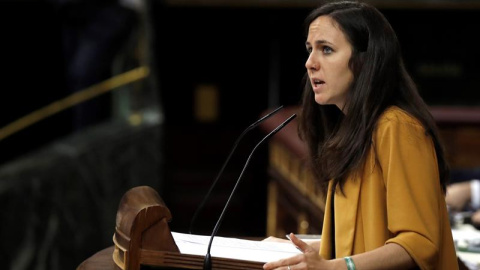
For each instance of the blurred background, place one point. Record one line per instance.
(185, 78)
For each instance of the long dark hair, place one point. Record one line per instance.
(338, 142)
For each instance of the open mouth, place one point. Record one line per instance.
(317, 82)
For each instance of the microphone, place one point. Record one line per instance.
(207, 263)
(202, 204)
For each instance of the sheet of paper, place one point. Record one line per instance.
(234, 248)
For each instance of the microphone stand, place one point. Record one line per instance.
(207, 263)
(202, 204)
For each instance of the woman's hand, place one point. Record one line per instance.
(310, 259)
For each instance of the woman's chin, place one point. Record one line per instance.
(321, 101)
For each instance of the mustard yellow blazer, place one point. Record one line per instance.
(398, 199)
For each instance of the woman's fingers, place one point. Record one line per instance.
(283, 263)
(304, 247)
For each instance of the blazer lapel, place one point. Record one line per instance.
(326, 243)
(346, 210)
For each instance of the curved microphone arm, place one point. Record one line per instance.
(207, 265)
(202, 204)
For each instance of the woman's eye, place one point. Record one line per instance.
(309, 50)
(327, 50)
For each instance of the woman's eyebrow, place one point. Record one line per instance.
(318, 42)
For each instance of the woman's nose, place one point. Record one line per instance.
(311, 63)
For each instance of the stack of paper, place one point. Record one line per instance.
(234, 248)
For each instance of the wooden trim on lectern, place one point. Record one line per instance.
(141, 224)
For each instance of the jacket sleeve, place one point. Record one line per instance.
(410, 171)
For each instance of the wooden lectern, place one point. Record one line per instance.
(142, 238)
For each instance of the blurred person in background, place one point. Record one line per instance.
(93, 33)
(464, 196)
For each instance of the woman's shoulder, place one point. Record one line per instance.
(398, 124)
(400, 121)
(395, 115)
